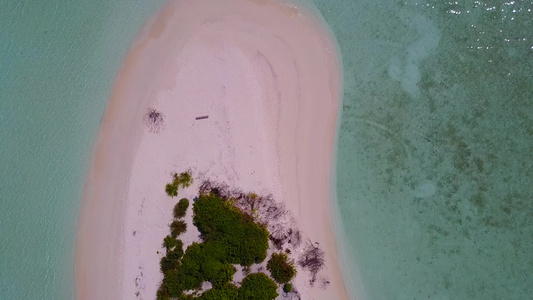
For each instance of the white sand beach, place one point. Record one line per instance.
(268, 77)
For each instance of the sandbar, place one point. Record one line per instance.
(268, 76)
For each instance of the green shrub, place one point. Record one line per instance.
(177, 227)
(195, 266)
(245, 240)
(223, 276)
(171, 189)
(281, 269)
(170, 242)
(172, 260)
(206, 262)
(227, 292)
(287, 288)
(183, 179)
(229, 237)
(257, 286)
(172, 285)
(162, 293)
(180, 209)
(201, 262)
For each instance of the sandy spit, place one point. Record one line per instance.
(268, 76)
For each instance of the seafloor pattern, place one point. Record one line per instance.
(435, 162)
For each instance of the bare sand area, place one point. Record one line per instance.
(268, 76)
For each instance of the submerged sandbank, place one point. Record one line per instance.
(268, 76)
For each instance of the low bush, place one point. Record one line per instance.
(179, 180)
(180, 209)
(223, 275)
(183, 179)
(246, 241)
(281, 269)
(172, 260)
(170, 242)
(162, 293)
(227, 292)
(257, 286)
(177, 227)
(228, 237)
(171, 189)
(287, 288)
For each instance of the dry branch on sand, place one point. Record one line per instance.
(324, 282)
(154, 120)
(285, 233)
(312, 260)
(292, 295)
(220, 189)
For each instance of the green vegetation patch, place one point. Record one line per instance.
(172, 260)
(228, 237)
(281, 269)
(245, 241)
(171, 189)
(171, 242)
(179, 180)
(257, 286)
(227, 292)
(183, 179)
(180, 210)
(177, 227)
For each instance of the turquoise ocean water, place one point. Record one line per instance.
(58, 59)
(435, 154)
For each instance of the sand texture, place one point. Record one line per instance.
(268, 76)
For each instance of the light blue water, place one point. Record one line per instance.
(57, 63)
(435, 152)
(435, 159)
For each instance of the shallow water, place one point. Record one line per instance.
(435, 151)
(435, 161)
(57, 64)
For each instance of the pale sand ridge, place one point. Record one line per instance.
(268, 76)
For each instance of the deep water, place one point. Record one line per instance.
(435, 155)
